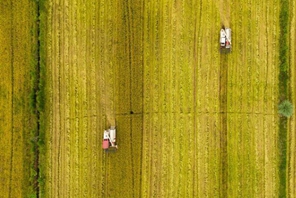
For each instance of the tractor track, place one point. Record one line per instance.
(131, 77)
(12, 96)
(195, 84)
(223, 84)
(223, 122)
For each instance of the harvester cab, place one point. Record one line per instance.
(225, 40)
(109, 139)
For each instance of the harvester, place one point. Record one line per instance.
(225, 40)
(109, 141)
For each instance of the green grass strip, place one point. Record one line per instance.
(41, 96)
(37, 100)
(34, 76)
(283, 93)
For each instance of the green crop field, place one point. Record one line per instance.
(191, 122)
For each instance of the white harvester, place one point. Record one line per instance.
(109, 141)
(225, 39)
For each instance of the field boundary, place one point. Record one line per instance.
(34, 174)
(284, 93)
(37, 98)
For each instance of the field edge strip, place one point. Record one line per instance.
(284, 93)
(37, 98)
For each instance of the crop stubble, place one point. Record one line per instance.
(139, 56)
(252, 95)
(92, 67)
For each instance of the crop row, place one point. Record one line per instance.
(252, 92)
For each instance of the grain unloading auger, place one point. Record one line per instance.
(109, 141)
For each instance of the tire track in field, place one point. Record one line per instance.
(130, 44)
(84, 28)
(106, 61)
(108, 91)
(65, 98)
(259, 126)
(73, 178)
(199, 83)
(92, 115)
(100, 88)
(62, 102)
(150, 90)
(225, 21)
(99, 108)
(244, 134)
(144, 169)
(224, 9)
(223, 122)
(89, 85)
(205, 174)
(75, 85)
(161, 165)
(195, 62)
(197, 52)
(156, 81)
(12, 96)
(55, 134)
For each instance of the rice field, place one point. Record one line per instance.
(203, 124)
(191, 122)
(16, 120)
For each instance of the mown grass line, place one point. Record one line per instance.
(283, 94)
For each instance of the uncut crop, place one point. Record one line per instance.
(18, 50)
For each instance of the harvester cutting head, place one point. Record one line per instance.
(109, 141)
